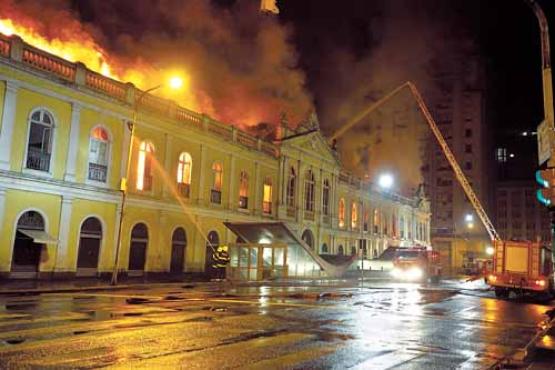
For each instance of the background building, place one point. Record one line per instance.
(64, 139)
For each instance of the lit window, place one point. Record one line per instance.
(341, 212)
(243, 190)
(291, 183)
(216, 191)
(267, 196)
(309, 191)
(184, 171)
(144, 166)
(39, 147)
(326, 197)
(99, 145)
(376, 221)
(354, 215)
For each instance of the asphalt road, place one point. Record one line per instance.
(215, 326)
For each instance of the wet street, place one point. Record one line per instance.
(212, 326)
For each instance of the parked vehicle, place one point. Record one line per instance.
(416, 264)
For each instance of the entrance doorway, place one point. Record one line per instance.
(137, 250)
(179, 243)
(90, 238)
(211, 246)
(26, 251)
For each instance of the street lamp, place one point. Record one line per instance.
(385, 181)
(175, 83)
(490, 250)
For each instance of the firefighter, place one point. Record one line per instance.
(220, 259)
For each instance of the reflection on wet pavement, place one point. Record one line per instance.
(379, 326)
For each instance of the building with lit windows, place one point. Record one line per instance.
(64, 143)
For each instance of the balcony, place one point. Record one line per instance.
(38, 160)
(243, 202)
(215, 196)
(97, 172)
(184, 189)
(267, 208)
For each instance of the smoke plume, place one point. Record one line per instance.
(238, 64)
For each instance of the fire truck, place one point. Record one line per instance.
(520, 266)
(416, 264)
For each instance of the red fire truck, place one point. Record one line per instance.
(521, 267)
(416, 264)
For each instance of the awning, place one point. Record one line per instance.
(39, 236)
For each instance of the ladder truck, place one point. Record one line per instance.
(519, 266)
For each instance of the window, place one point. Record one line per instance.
(184, 170)
(243, 190)
(402, 226)
(291, 183)
(309, 191)
(326, 197)
(468, 148)
(341, 212)
(354, 215)
(39, 147)
(340, 250)
(216, 191)
(366, 219)
(99, 145)
(308, 238)
(376, 221)
(144, 166)
(324, 249)
(267, 196)
(468, 132)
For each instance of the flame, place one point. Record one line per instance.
(81, 49)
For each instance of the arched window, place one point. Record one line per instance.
(39, 147)
(341, 212)
(385, 220)
(27, 249)
(309, 191)
(353, 250)
(184, 168)
(340, 250)
(376, 221)
(326, 197)
(366, 218)
(99, 146)
(394, 224)
(267, 196)
(216, 191)
(291, 183)
(137, 250)
(89, 247)
(244, 190)
(179, 243)
(308, 238)
(324, 249)
(144, 166)
(402, 226)
(354, 215)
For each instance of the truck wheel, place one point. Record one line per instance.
(501, 292)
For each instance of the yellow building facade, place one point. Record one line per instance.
(65, 135)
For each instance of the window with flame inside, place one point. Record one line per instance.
(216, 191)
(144, 166)
(184, 170)
(341, 211)
(243, 190)
(354, 215)
(267, 196)
(99, 146)
(291, 183)
(326, 197)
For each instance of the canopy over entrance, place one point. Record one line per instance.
(302, 261)
(39, 236)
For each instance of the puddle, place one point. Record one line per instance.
(14, 340)
(173, 298)
(188, 286)
(136, 300)
(79, 332)
(133, 314)
(199, 319)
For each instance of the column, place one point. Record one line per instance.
(168, 166)
(62, 262)
(73, 148)
(299, 193)
(257, 201)
(8, 123)
(126, 142)
(201, 185)
(232, 199)
(2, 206)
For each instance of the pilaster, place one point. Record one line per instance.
(73, 148)
(62, 255)
(8, 124)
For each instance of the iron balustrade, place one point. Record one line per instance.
(267, 207)
(243, 202)
(97, 172)
(216, 196)
(184, 189)
(38, 160)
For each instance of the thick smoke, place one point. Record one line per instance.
(407, 39)
(238, 64)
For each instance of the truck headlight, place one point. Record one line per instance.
(415, 273)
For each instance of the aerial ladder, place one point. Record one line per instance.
(520, 266)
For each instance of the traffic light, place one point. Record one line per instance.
(546, 179)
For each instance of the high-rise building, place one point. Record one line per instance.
(459, 107)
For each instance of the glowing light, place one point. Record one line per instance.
(176, 82)
(264, 240)
(385, 181)
(468, 217)
(490, 251)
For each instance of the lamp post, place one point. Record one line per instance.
(174, 83)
